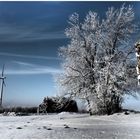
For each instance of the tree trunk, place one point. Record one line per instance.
(89, 106)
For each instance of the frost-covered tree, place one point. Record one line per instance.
(97, 57)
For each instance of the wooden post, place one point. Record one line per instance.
(38, 111)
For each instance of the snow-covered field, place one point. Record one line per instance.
(70, 126)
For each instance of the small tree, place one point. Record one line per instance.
(97, 57)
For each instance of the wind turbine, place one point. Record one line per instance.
(2, 84)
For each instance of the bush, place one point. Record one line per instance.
(57, 104)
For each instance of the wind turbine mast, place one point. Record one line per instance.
(2, 78)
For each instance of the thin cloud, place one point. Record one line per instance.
(33, 71)
(10, 33)
(28, 56)
(30, 69)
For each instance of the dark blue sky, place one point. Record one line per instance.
(30, 35)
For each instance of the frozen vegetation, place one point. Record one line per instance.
(70, 126)
(97, 60)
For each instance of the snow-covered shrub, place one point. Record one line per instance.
(57, 104)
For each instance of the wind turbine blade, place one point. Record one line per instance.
(4, 83)
(3, 70)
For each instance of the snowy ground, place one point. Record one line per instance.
(70, 126)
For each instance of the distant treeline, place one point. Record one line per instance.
(19, 110)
